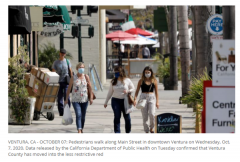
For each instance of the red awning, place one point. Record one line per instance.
(138, 31)
(119, 34)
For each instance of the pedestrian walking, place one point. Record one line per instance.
(148, 85)
(119, 87)
(145, 52)
(81, 87)
(61, 67)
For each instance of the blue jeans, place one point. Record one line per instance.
(62, 96)
(80, 111)
(118, 107)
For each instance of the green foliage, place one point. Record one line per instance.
(48, 54)
(195, 94)
(17, 92)
(164, 68)
(179, 69)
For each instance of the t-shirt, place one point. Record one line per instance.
(61, 68)
(146, 52)
(116, 91)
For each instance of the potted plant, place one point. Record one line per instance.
(164, 73)
(195, 97)
(159, 60)
(19, 101)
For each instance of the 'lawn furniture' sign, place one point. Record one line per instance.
(168, 123)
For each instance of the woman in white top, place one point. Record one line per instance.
(80, 85)
(119, 87)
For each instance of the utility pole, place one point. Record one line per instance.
(173, 50)
(79, 38)
(61, 40)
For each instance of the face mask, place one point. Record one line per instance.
(117, 74)
(148, 75)
(81, 70)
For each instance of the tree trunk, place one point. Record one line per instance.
(160, 35)
(173, 49)
(193, 72)
(184, 47)
(201, 38)
(228, 22)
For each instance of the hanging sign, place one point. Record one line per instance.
(51, 30)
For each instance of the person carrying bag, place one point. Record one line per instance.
(81, 88)
(120, 86)
(148, 100)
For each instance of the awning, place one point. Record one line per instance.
(60, 15)
(50, 8)
(19, 20)
(138, 31)
(140, 40)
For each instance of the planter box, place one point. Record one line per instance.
(166, 83)
(29, 114)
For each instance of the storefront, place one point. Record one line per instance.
(23, 22)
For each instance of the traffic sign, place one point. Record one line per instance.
(215, 24)
(81, 21)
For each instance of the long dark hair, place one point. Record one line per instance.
(122, 75)
(152, 78)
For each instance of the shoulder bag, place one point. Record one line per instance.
(90, 94)
(142, 102)
(68, 77)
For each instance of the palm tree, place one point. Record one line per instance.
(184, 47)
(228, 22)
(173, 49)
(48, 54)
(201, 37)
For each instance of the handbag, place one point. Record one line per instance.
(90, 94)
(128, 107)
(67, 116)
(130, 99)
(68, 77)
(142, 102)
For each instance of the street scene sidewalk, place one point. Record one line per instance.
(100, 120)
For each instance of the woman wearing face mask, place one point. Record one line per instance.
(80, 85)
(148, 84)
(119, 87)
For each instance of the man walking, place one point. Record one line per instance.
(60, 66)
(145, 52)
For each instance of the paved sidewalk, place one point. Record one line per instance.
(100, 120)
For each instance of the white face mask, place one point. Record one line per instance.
(147, 75)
